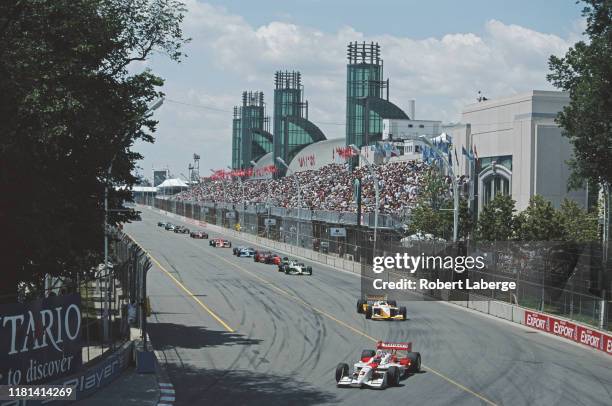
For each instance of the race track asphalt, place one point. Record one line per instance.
(237, 332)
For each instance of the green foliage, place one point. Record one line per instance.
(577, 224)
(585, 72)
(496, 221)
(426, 220)
(433, 213)
(70, 105)
(434, 190)
(538, 222)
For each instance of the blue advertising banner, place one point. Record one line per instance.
(40, 340)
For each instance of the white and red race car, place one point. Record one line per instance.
(380, 368)
(219, 243)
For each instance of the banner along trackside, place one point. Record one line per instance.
(40, 340)
(571, 331)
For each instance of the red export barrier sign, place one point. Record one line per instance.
(564, 328)
(571, 331)
(590, 337)
(608, 344)
(536, 320)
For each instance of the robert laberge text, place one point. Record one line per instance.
(425, 284)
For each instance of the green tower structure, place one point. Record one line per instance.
(367, 95)
(251, 137)
(292, 129)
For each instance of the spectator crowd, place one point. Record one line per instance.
(328, 188)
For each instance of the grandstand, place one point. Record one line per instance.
(327, 188)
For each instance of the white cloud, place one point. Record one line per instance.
(441, 73)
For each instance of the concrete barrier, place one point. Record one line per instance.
(518, 314)
(501, 310)
(479, 305)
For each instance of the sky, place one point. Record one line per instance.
(438, 52)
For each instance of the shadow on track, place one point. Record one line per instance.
(198, 386)
(166, 336)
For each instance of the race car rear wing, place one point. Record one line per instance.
(381, 345)
(372, 298)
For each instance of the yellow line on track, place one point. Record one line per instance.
(189, 293)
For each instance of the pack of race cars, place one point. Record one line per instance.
(378, 369)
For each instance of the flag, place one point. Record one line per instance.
(394, 151)
(468, 154)
(456, 159)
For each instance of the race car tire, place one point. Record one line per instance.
(360, 304)
(415, 362)
(392, 303)
(281, 268)
(403, 312)
(309, 270)
(287, 271)
(368, 312)
(393, 376)
(230, 245)
(342, 370)
(367, 354)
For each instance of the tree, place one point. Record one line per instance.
(577, 224)
(70, 106)
(466, 222)
(496, 221)
(538, 222)
(585, 72)
(433, 213)
(424, 219)
(435, 189)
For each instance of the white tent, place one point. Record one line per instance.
(171, 187)
(169, 183)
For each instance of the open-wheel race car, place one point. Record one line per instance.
(244, 252)
(378, 307)
(220, 243)
(294, 267)
(267, 257)
(181, 230)
(380, 368)
(199, 235)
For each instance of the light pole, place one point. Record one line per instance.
(356, 150)
(449, 166)
(107, 319)
(299, 195)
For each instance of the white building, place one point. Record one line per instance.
(398, 129)
(521, 149)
